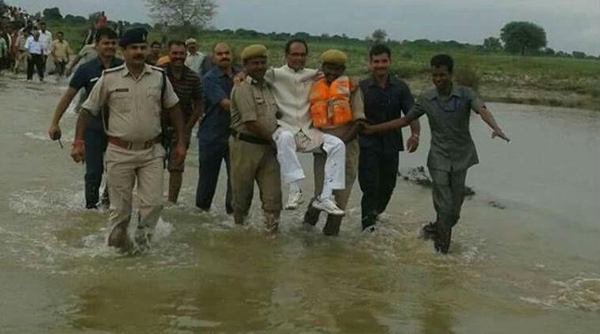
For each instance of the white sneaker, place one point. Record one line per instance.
(328, 206)
(294, 200)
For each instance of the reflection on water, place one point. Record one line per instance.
(525, 257)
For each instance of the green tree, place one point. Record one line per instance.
(52, 14)
(182, 12)
(379, 36)
(492, 44)
(578, 54)
(522, 37)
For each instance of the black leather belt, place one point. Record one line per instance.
(249, 138)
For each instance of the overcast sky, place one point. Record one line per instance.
(572, 25)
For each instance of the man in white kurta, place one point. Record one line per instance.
(291, 85)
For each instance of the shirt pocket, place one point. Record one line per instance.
(121, 101)
(154, 94)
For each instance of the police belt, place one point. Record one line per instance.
(249, 138)
(134, 146)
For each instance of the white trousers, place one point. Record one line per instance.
(291, 170)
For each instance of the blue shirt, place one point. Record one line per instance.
(86, 77)
(214, 127)
(383, 105)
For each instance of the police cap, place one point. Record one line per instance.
(132, 36)
(255, 50)
(335, 57)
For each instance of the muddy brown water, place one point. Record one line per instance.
(526, 256)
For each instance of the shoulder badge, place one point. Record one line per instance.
(113, 69)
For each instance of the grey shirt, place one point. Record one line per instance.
(452, 148)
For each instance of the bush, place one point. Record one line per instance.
(467, 76)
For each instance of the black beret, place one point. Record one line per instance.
(132, 36)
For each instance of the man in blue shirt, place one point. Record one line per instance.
(386, 98)
(213, 133)
(95, 139)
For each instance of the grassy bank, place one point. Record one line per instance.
(552, 81)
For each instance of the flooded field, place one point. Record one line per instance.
(526, 256)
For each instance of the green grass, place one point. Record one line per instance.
(580, 76)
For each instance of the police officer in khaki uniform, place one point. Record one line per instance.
(132, 96)
(252, 151)
(333, 67)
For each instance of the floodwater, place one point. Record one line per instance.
(525, 258)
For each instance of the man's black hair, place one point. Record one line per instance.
(289, 43)
(442, 60)
(174, 42)
(105, 32)
(379, 49)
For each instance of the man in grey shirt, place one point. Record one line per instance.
(448, 107)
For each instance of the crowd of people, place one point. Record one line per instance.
(139, 112)
(26, 44)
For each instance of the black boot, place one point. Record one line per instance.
(428, 231)
(311, 217)
(332, 227)
(442, 238)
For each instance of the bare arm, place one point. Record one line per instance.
(54, 130)
(83, 120)
(196, 114)
(177, 120)
(78, 150)
(488, 118)
(352, 131)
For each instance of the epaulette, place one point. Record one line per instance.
(113, 69)
(156, 68)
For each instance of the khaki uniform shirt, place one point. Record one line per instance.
(134, 105)
(253, 101)
(452, 148)
(60, 50)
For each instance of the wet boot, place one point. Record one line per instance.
(311, 217)
(428, 231)
(104, 201)
(143, 237)
(118, 237)
(271, 223)
(442, 238)
(332, 226)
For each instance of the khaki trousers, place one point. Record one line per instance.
(125, 167)
(254, 162)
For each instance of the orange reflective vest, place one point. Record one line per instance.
(330, 105)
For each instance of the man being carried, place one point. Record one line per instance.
(448, 108)
(291, 86)
(336, 104)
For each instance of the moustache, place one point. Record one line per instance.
(223, 60)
